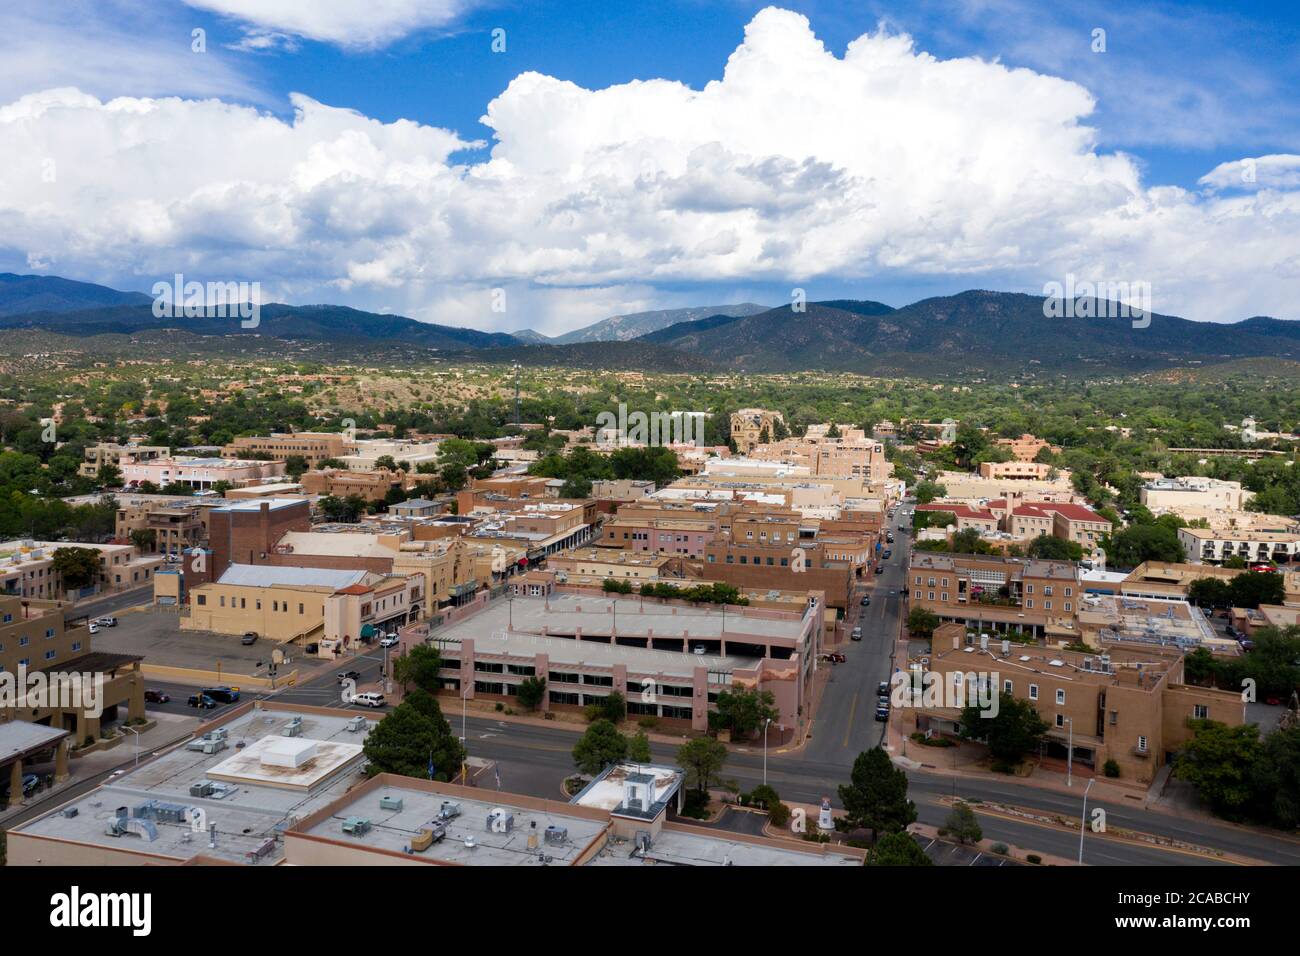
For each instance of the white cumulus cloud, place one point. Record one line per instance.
(797, 165)
(345, 23)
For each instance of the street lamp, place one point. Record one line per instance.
(767, 723)
(1083, 820)
(137, 743)
(1069, 756)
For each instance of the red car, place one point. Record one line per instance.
(156, 697)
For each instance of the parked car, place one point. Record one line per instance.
(222, 695)
(856, 635)
(105, 622)
(1245, 643)
(880, 569)
(202, 701)
(369, 699)
(249, 638)
(882, 713)
(886, 553)
(866, 600)
(94, 628)
(156, 697)
(882, 689)
(30, 782)
(836, 658)
(349, 675)
(1233, 632)
(388, 640)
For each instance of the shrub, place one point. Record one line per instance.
(1034, 858)
(649, 723)
(1000, 848)
(1110, 768)
(500, 706)
(779, 814)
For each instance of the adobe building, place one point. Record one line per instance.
(988, 593)
(50, 639)
(1127, 704)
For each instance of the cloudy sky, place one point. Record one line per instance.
(592, 157)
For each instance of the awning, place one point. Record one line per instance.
(367, 630)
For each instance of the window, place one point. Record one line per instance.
(203, 599)
(1201, 712)
(1033, 692)
(1114, 717)
(1060, 696)
(944, 596)
(1060, 720)
(1142, 745)
(1007, 687)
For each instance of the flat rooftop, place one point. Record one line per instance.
(245, 818)
(674, 847)
(393, 829)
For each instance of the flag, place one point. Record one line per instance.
(432, 768)
(497, 772)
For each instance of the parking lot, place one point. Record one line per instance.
(157, 636)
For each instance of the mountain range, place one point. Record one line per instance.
(972, 332)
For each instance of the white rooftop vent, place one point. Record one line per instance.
(1056, 663)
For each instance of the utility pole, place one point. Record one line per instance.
(1083, 820)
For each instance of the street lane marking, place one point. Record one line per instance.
(849, 727)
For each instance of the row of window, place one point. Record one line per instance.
(49, 655)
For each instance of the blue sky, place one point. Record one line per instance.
(1181, 90)
(1234, 67)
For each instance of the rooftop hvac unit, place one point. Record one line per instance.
(500, 820)
(164, 812)
(201, 789)
(555, 835)
(69, 812)
(356, 724)
(294, 729)
(449, 810)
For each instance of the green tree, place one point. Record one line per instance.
(532, 691)
(1015, 729)
(897, 849)
(144, 539)
(1143, 542)
(411, 737)
(1209, 592)
(1051, 548)
(599, 747)
(922, 622)
(1253, 588)
(962, 825)
(638, 748)
(1223, 763)
(419, 667)
(77, 567)
(614, 707)
(927, 491)
(875, 798)
(744, 712)
(703, 759)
